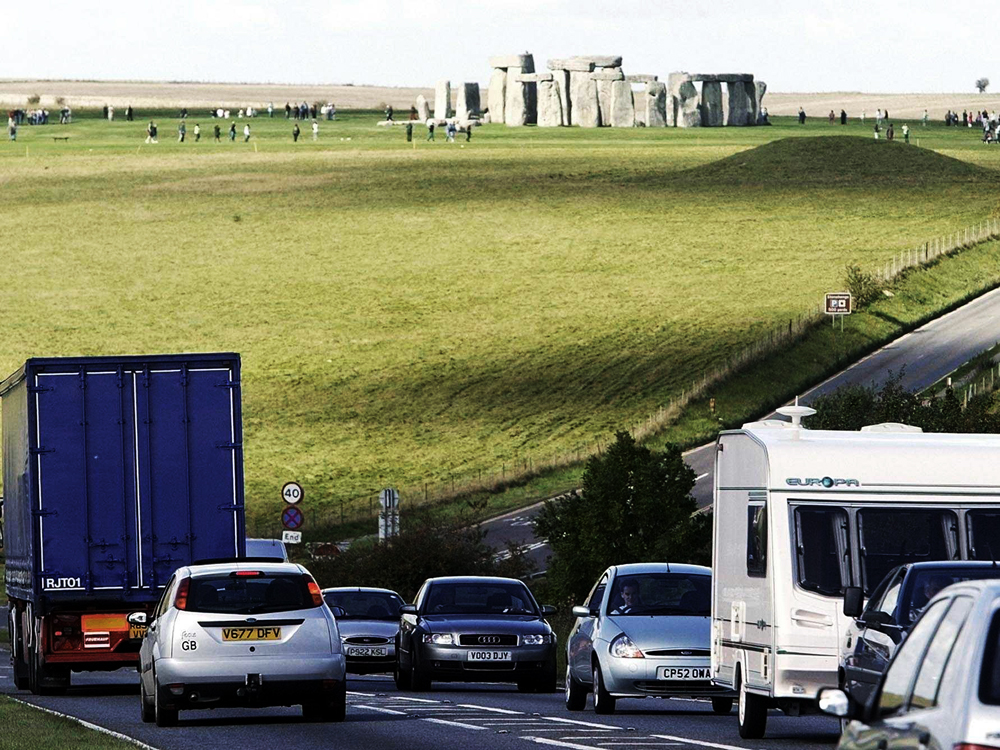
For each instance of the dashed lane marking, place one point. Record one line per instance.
(701, 743)
(456, 724)
(581, 723)
(490, 708)
(380, 709)
(558, 743)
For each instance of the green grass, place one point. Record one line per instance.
(25, 728)
(422, 314)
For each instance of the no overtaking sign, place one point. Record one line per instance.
(292, 518)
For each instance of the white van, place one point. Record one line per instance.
(801, 514)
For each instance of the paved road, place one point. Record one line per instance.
(453, 715)
(925, 356)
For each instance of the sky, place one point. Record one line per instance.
(803, 46)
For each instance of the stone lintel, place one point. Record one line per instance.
(722, 77)
(641, 78)
(509, 61)
(535, 77)
(571, 63)
(608, 74)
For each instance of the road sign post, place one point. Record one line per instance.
(388, 516)
(838, 305)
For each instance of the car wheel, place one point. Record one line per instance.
(604, 702)
(722, 706)
(752, 712)
(148, 709)
(576, 693)
(165, 717)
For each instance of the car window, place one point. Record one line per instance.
(925, 691)
(925, 584)
(479, 598)
(984, 534)
(989, 675)
(365, 605)
(597, 593)
(248, 592)
(897, 536)
(647, 594)
(899, 677)
(823, 549)
(888, 603)
(165, 598)
(757, 540)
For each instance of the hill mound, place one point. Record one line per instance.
(839, 161)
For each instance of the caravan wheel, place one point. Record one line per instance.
(752, 711)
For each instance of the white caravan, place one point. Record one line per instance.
(800, 514)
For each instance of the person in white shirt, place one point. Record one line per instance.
(315, 130)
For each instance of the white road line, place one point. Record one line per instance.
(629, 744)
(558, 743)
(490, 708)
(580, 723)
(702, 743)
(700, 477)
(87, 724)
(455, 724)
(415, 700)
(380, 709)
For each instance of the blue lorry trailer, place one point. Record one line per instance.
(116, 471)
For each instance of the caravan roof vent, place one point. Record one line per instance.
(796, 412)
(890, 427)
(770, 424)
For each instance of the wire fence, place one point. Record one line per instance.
(348, 510)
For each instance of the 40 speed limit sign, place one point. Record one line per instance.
(292, 493)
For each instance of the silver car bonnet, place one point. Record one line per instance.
(350, 628)
(663, 631)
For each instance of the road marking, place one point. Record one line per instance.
(454, 723)
(415, 700)
(490, 708)
(700, 477)
(87, 724)
(558, 743)
(623, 744)
(380, 710)
(580, 723)
(703, 743)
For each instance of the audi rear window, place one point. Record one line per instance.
(246, 594)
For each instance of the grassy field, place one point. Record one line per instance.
(426, 313)
(27, 728)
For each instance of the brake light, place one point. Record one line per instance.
(972, 746)
(242, 573)
(317, 593)
(181, 598)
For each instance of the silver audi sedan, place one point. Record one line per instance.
(242, 633)
(644, 631)
(368, 619)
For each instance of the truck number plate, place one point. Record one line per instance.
(136, 632)
(489, 656)
(367, 651)
(683, 673)
(251, 634)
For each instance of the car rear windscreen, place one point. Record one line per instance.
(249, 593)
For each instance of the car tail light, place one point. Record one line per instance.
(317, 594)
(244, 573)
(181, 598)
(972, 746)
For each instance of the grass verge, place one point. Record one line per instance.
(26, 728)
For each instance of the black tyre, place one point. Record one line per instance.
(148, 708)
(547, 683)
(525, 685)
(331, 709)
(604, 702)
(44, 680)
(752, 712)
(722, 706)
(420, 681)
(18, 664)
(576, 693)
(165, 717)
(402, 677)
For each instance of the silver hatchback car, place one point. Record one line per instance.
(645, 631)
(242, 633)
(368, 619)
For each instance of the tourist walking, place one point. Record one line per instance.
(151, 132)
(802, 116)
(218, 133)
(843, 117)
(11, 129)
(315, 127)
(889, 132)
(295, 133)
(388, 113)
(181, 132)
(450, 131)
(246, 133)
(232, 131)
(876, 129)
(430, 128)
(197, 132)
(906, 133)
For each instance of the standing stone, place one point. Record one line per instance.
(467, 105)
(562, 78)
(522, 97)
(656, 104)
(688, 112)
(674, 82)
(751, 94)
(423, 108)
(604, 80)
(497, 95)
(586, 108)
(550, 111)
(760, 88)
(737, 104)
(442, 100)
(711, 104)
(622, 105)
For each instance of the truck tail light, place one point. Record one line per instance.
(181, 598)
(66, 634)
(316, 592)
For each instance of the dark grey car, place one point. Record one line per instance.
(475, 629)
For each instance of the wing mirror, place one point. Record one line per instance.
(834, 702)
(854, 600)
(548, 609)
(584, 612)
(136, 618)
(408, 609)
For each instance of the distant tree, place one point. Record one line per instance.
(636, 506)
(981, 84)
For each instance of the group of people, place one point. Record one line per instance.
(450, 130)
(109, 113)
(152, 131)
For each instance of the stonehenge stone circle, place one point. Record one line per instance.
(622, 105)
(688, 111)
(656, 104)
(550, 111)
(641, 78)
(497, 94)
(711, 104)
(467, 106)
(760, 88)
(442, 100)
(585, 106)
(423, 108)
(738, 103)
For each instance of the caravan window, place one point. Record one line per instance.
(823, 551)
(984, 534)
(757, 540)
(896, 536)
